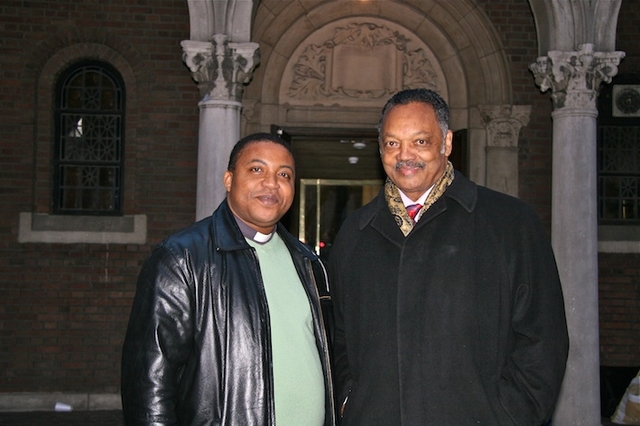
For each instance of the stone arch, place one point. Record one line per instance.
(230, 17)
(459, 34)
(46, 61)
(566, 25)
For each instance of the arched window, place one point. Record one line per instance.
(89, 139)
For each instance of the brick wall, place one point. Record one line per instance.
(64, 307)
(619, 309)
(628, 33)
(619, 284)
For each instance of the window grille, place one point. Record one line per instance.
(619, 174)
(89, 141)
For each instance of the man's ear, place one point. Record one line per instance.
(448, 143)
(227, 179)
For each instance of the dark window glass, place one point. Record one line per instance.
(619, 174)
(89, 140)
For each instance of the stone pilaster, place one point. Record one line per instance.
(221, 68)
(574, 78)
(503, 124)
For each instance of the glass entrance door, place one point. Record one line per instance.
(325, 204)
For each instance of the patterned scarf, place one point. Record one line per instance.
(396, 206)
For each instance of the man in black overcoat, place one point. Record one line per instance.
(448, 304)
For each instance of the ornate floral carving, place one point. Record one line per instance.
(575, 77)
(503, 123)
(220, 68)
(312, 73)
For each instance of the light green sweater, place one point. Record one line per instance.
(297, 370)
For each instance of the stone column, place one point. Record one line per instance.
(503, 124)
(220, 68)
(574, 78)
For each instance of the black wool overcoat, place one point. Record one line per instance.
(462, 322)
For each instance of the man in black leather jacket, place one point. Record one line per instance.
(205, 343)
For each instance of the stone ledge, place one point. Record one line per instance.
(618, 239)
(32, 401)
(619, 246)
(45, 228)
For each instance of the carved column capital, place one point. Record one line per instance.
(219, 67)
(503, 123)
(575, 77)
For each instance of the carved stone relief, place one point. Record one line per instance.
(359, 63)
(503, 123)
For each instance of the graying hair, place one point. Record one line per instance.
(424, 96)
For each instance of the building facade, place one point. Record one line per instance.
(117, 121)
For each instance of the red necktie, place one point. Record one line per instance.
(413, 210)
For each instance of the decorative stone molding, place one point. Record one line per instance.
(34, 401)
(60, 229)
(359, 63)
(219, 67)
(250, 109)
(503, 123)
(575, 77)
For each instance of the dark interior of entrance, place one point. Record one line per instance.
(337, 171)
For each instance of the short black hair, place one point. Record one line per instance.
(254, 138)
(424, 96)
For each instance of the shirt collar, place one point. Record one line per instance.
(251, 233)
(408, 201)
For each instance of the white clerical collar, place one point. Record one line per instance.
(408, 201)
(251, 233)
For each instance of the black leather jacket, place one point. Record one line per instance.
(197, 349)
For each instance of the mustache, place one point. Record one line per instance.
(410, 164)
